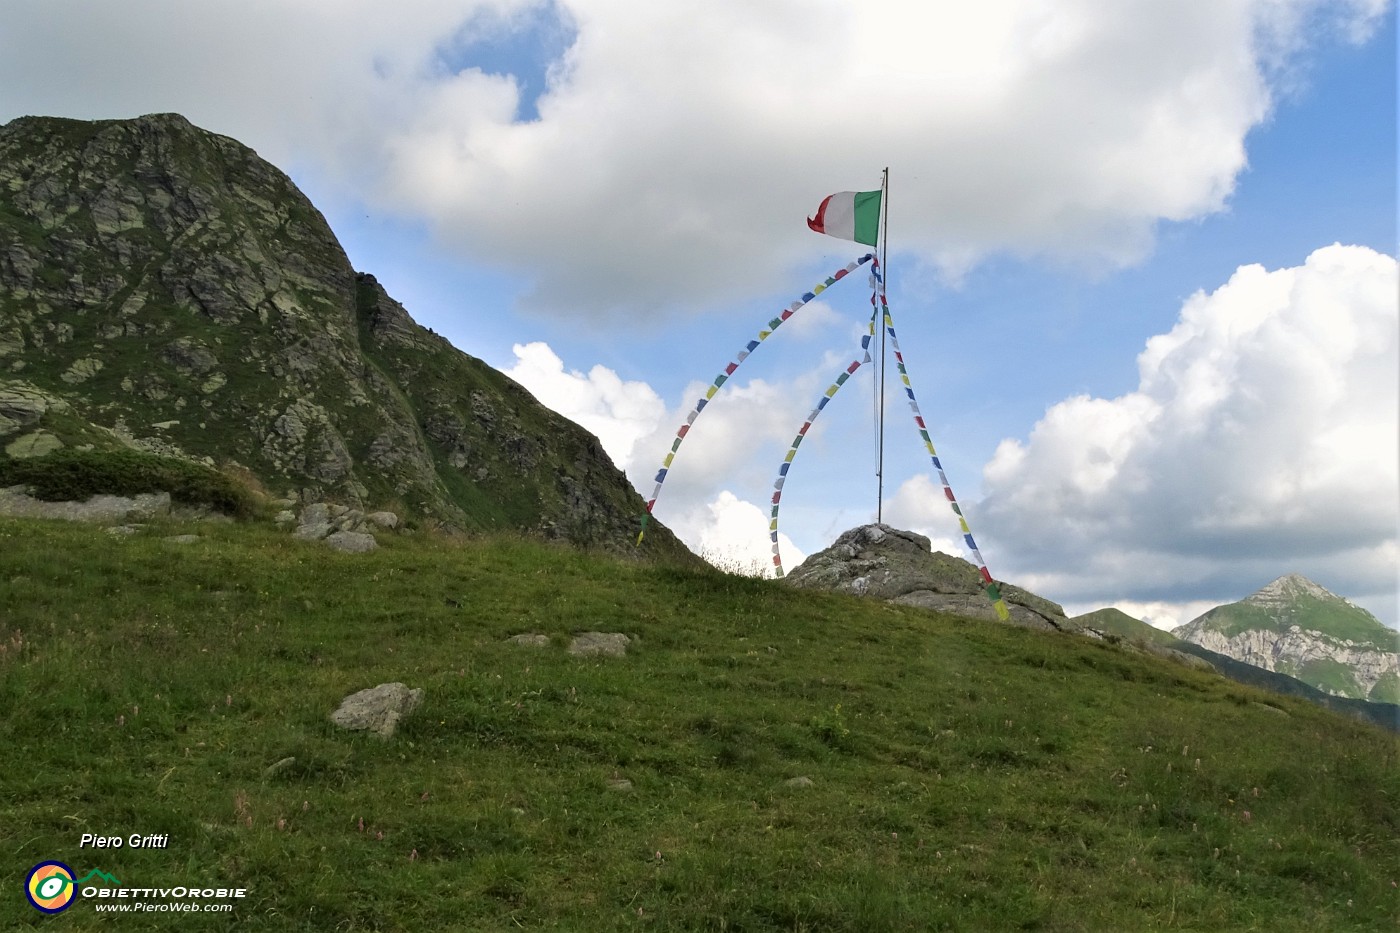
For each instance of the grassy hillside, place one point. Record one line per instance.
(964, 776)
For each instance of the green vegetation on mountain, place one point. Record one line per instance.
(1335, 618)
(961, 775)
(1117, 622)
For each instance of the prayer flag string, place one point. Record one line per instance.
(990, 586)
(728, 371)
(786, 465)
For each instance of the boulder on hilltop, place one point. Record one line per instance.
(901, 567)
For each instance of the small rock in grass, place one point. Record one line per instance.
(278, 767)
(352, 542)
(530, 640)
(377, 709)
(608, 644)
(802, 781)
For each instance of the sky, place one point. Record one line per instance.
(1140, 255)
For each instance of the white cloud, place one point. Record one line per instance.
(665, 151)
(741, 427)
(920, 505)
(1262, 439)
(1158, 614)
(619, 413)
(733, 534)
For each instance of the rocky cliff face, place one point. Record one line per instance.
(1295, 627)
(163, 287)
(901, 567)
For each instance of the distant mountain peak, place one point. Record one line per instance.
(1296, 627)
(1289, 587)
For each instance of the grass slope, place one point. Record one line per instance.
(965, 776)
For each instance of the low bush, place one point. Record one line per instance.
(69, 474)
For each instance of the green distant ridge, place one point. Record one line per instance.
(1117, 622)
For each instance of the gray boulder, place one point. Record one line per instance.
(116, 509)
(901, 567)
(378, 709)
(352, 542)
(606, 644)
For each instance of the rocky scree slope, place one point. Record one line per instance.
(164, 288)
(1294, 626)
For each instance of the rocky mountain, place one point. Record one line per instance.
(1114, 623)
(901, 567)
(164, 288)
(1295, 627)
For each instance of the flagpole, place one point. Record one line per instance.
(880, 388)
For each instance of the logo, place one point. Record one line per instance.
(50, 887)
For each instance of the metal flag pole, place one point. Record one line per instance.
(883, 281)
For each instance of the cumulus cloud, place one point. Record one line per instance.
(618, 412)
(919, 504)
(733, 534)
(1067, 129)
(1262, 438)
(741, 427)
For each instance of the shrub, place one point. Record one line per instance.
(70, 474)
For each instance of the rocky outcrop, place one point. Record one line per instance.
(901, 567)
(1297, 651)
(15, 502)
(165, 288)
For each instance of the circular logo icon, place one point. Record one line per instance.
(50, 887)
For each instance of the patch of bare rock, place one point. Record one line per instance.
(582, 645)
(378, 709)
(340, 527)
(16, 502)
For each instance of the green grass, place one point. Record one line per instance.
(965, 776)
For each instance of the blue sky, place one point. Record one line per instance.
(608, 202)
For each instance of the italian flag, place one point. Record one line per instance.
(850, 215)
